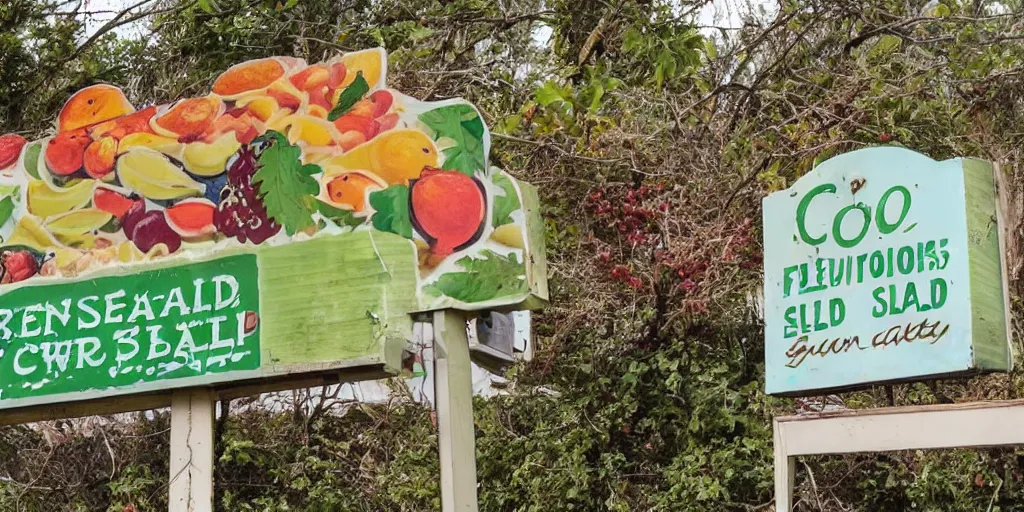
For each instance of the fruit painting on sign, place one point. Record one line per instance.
(320, 163)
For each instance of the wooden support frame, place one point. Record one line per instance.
(453, 393)
(193, 412)
(968, 425)
(191, 467)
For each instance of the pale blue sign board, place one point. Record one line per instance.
(883, 265)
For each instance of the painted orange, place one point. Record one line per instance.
(124, 126)
(239, 121)
(362, 108)
(312, 78)
(100, 157)
(352, 122)
(189, 119)
(248, 76)
(349, 190)
(351, 139)
(285, 99)
(448, 209)
(93, 105)
(65, 153)
(192, 217)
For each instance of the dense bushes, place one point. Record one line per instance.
(653, 142)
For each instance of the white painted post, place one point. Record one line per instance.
(192, 416)
(453, 394)
(918, 427)
(785, 472)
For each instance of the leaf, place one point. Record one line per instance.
(506, 204)
(208, 6)
(6, 209)
(595, 102)
(633, 40)
(551, 93)
(285, 185)
(32, 159)
(352, 94)
(391, 210)
(484, 278)
(885, 45)
(463, 125)
(337, 215)
(420, 32)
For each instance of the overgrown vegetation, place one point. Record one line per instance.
(653, 140)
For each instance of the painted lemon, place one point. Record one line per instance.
(78, 222)
(370, 62)
(209, 160)
(396, 156)
(165, 145)
(45, 201)
(151, 174)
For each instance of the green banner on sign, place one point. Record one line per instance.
(115, 332)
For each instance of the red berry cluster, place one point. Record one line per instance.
(622, 274)
(633, 215)
(739, 247)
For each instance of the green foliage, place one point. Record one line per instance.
(342, 218)
(507, 203)
(32, 153)
(286, 184)
(391, 210)
(482, 279)
(349, 97)
(459, 129)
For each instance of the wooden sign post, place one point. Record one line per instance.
(279, 232)
(883, 266)
(969, 425)
(193, 413)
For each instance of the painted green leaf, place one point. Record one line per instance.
(352, 94)
(32, 159)
(337, 215)
(391, 207)
(462, 124)
(484, 279)
(6, 209)
(285, 185)
(504, 205)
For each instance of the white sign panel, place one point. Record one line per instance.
(882, 265)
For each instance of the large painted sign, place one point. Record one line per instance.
(287, 222)
(883, 265)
